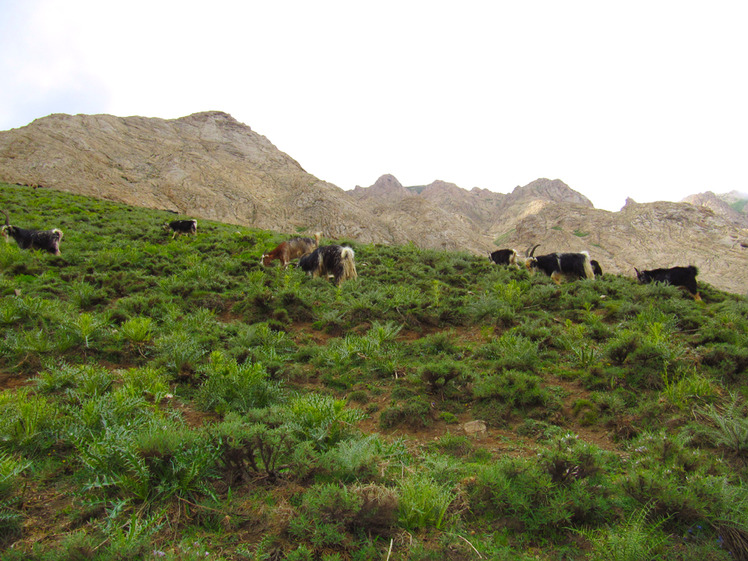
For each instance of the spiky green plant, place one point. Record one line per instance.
(322, 419)
(10, 471)
(28, 422)
(728, 424)
(423, 502)
(638, 538)
(137, 330)
(230, 386)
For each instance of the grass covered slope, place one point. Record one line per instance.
(173, 399)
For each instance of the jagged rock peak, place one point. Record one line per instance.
(387, 182)
(387, 187)
(213, 118)
(215, 115)
(442, 186)
(699, 198)
(553, 190)
(720, 205)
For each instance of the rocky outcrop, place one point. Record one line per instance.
(720, 204)
(207, 165)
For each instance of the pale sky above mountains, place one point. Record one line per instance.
(640, 99)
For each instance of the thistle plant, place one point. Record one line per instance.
(28, 422)
(82, 293)
(322, 419)
(684, 389)
(638, 538)
(137, 330)
(146, 381)
(423, 502)
(87, 326)
(179, 351)
(230, 386)
(728, 425)
(10, 471)
(10, 311)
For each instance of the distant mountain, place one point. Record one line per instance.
(209, 165)
(731, 206)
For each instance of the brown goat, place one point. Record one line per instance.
(291, 249)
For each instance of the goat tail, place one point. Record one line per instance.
(317, 236)
(347, 257)
(58, 232)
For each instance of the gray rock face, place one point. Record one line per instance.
(209, 165)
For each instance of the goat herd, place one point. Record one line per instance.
(338, 261)
(579, 266)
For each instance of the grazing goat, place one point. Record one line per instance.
(334, 260)
(291, 249)
(560, 265)
(504, 257)
(596, 268)
(677, 276)
(179, 227)
(47, 240)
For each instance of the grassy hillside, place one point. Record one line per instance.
(172, 399)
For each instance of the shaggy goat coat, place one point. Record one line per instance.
(334, 260)
(46, 240)
(677, 276)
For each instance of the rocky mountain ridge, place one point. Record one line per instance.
(208, 165)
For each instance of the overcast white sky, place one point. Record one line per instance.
(647, 99)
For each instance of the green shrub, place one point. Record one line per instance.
(438, 375)
(517, 491)
(512, 351)
(246, 448)
(423, 502)
(180, 352)
(415, 412)
(323, 420)
(29, 423)
(325, 516)
(728, 425)
(10, 515)
(637, 539)
(515, 388)
(229, 386)
(137, 330)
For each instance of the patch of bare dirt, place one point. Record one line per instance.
(10, 381)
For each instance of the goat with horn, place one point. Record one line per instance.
(560, 265)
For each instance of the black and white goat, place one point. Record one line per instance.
(335, 260)
(560, 265)
(46, 240)
(179, 227)
(505, 257)
(677, 276)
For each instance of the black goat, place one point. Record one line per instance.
(677, 276)
(504, 257)
(47, 240)
(560, 265)
(334, 260)
(182, 227)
